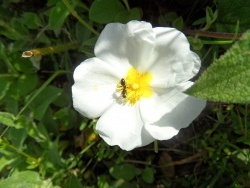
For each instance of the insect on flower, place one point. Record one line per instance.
(124, 87)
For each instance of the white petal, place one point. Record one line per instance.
(140, 48)
(184, 85)
(122, 125)
(174, 61)
(123, 45)
(152, 109)
(184, 110)
(95, 84)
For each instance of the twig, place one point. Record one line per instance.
(212, 34)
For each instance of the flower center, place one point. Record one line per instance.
(135, 86)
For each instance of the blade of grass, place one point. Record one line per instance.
(41, 89)
(74, 13)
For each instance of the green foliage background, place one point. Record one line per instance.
(44, 142)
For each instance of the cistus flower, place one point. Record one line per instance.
(135, 84)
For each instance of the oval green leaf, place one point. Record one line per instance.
(228, 78)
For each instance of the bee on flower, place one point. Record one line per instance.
(135, 84)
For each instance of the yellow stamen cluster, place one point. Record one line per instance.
(135, 86)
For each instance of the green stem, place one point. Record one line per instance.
(6, 59)
(212, 34)
(82, 5)
(19, 151)
(5, 130)
(126, 4)
(217, 42)
(246, 120)
(74, 13)
(41, 89)
(9, 75)
(13, 31)
(50, 50)
(87, 148)
(206, 54)
(8, 63)
(156, 149)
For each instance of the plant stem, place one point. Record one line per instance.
(74, 13)
(14, 32)
(212, 34)
(5, 59)
(14, 148)
(19, 151)
(82, 5)
(49, 50)
(126, 4)
(217, 42)
(9, 75)
(156, 146)
(41, 89)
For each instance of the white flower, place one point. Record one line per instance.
(135, 84)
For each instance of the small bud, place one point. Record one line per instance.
(27, 54)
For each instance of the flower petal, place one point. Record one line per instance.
(184, 110)
(140, 48)
(126, 44)
(152, 109)
(174, 62)
(184, 85)
(121, 125)
(95, 84)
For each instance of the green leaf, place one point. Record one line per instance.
(67, 117)
(125, 15)
(21, 64)
(33, 162)
(58, 15)
(82, 33)
(167, 18)
(178, 23)
(5, 161)
(12, 105)
(24, 84)
(16, 136)
(22, 179)
(195, 42)
(7, 119)
(5, 61)
(4, 86)
(31, 20)
(170, 16)
(73, 182)
(42, 102)
(228, 78)
(121, 183)
(104, 11)
(210, 15)
(24, 122)
(242, 158)
(124, 171)
(103, 181)
(52, 159)
(31, 128)
(17, 24)
(148, 174)
(231, 11)
(200, 21)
